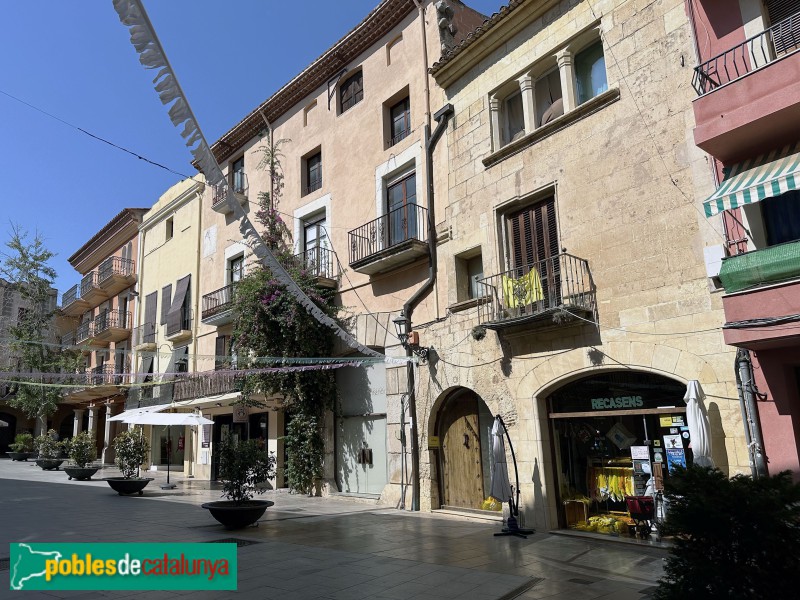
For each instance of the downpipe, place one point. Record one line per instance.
(747, 400)
(442, 117)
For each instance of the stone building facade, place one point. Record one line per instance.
(571, 272)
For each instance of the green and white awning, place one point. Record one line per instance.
(753, 180)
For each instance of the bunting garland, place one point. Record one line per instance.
(152, 56)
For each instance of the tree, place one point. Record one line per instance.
(26, 266)
(269, 321)
(734, 538)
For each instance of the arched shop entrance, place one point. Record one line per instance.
(611, 431)
(463, 427)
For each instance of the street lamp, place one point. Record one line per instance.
(409, 339)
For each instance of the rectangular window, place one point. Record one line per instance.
(181, 356)
(236, 269)
(514, 121)
(316, 257)
(170, 228)
(590, 72)
(400, 116)
(238, 179)
(532, 238)
(222, 353)
(351, 91)
(781, 216)
(402, 210)
(548, 97)
(475, 274)
(313, 172)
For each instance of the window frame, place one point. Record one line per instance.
(313, 183)
(237, 172)
(405, 105)
(348, 98)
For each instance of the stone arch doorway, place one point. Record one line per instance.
(609, 431)
(463, 425)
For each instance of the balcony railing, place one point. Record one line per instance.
(752, 54)
(238, 184)
(84, 331)
(399, 137)
(319, 262)
(218, 301)
(179, 321)
(560, 282)
(201, 385)
(105, 375)
(68, 339)
(113, 319)
(70, 296)
(401, 225)
(313, 186)
(89, 283)
(114, 265)
(144, 334)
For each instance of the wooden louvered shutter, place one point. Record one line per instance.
(533, 234)
(786, 37)
(166, 302)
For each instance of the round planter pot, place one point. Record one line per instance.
(49, 464)
(20, 456)
(233, 516)
(80, 473)
(128, 486)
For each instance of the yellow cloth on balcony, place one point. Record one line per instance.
(522, 291)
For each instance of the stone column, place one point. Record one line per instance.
(93, 410)
(107, 456)
(494, 112)
(526, 87)
(76, 426)
(566, 70)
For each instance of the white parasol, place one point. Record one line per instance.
(697, 420)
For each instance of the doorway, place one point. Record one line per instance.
(464, 426)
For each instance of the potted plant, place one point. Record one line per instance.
(49, 451)
(131, 451)
(82, 451)
(22, 448)
(244, 468)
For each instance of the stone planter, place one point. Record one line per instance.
(80, 473)
(233, 516)
(128, 486)
(49, 464)
(20, 456)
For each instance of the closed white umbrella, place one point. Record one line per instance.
(501, 487)
(3, 424)
(699, 428)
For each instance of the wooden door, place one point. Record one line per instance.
(461, 454)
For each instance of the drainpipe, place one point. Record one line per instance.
(421, 10)
(747, 399)
(442, 117)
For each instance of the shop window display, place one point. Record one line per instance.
(615, 437)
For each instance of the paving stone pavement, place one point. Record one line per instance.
(322, 548)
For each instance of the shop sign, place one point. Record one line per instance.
(433, 441)
(240, 414)
(617, 402)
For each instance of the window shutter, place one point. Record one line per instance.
(166, 295)
(786, 37)
(221, 352)
(533, 234)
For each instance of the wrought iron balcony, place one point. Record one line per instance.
(753, 53)
(179, 325)
(112, 326)
(115, 274)
(321, 263)
(84, 332)
(394, 239)
(217, 305)
(72, 304)
(91, 291)
(106, 375)
(68, 339)
(144, 336)
(240, 187)
(542, 291)
(200, 385)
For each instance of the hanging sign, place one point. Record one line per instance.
(240, 414)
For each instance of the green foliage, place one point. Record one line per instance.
(131, 450)
(269, 321)
(26, 265)
(23, 442)
(48, 445)
(734, 538)
(82, 449)
(244, 466)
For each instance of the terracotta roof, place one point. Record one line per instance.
(476, 34)
(375, 25)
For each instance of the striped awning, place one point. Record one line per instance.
(753, 180)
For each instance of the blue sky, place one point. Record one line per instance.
(74, 60)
